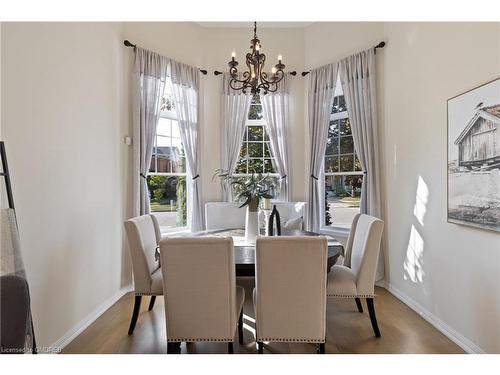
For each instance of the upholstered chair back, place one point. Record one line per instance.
(362, 251)
(224, 215)
(293, 215)
(290, 292)
(143, 234)
(200, 288)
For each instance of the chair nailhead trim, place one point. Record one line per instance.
(198, 339)
(316, 341)
(352, 296)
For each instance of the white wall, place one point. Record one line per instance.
(61, 123)
(452, 272)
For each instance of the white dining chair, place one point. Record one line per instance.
(293, 215)
(224, 215)
(143, 233)
(290, 290)
(202, 301)
(356, 277)
(228, 215)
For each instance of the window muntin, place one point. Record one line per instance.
(167, 173)
(342, 170)
(255, 153)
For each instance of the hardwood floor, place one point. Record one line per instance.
(348, 331)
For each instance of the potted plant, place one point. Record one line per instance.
(248, 190)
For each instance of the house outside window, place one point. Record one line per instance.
(167, 173)
(255, 153)
(343, 175)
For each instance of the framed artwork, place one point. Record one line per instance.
(474, 157)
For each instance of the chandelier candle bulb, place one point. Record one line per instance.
(279, 59)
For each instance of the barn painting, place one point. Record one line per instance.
(474, 157)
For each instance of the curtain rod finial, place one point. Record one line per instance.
(128, 43)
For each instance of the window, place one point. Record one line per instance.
(343, 174)
(255, 153)
(167, 173)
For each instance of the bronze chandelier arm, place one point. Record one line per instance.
(234, 75)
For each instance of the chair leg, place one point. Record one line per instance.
(260, 347)
(34, 349)
(230, 349)
(321, 348)
(358, 303)
(174, 348)
(240, 328)
(373, 317)
(151, 303)
(135, 314)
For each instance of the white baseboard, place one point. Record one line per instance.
(467, 345)
(89, 319)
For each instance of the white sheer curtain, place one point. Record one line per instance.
(275, 107)
(357, 73)
(150, 71)
(235, 106)
(321, 92)
(186, 87)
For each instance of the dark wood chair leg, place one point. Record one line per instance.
(135, 314)
(230, 349)
(240, 328)
(174, 348)
(34, 349)
(321, 348)
(373, 317)
(151, 303)
(260, 347)
(358, 303)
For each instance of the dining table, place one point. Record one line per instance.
(244, 251)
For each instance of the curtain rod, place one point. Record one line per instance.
(127, 43)
(380, 45)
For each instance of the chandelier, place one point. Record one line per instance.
(255, 78)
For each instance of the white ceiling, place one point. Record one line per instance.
(260, 25)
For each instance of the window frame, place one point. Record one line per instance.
(262, 123)
(168, 115)
(337, 230)
(172, 116)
